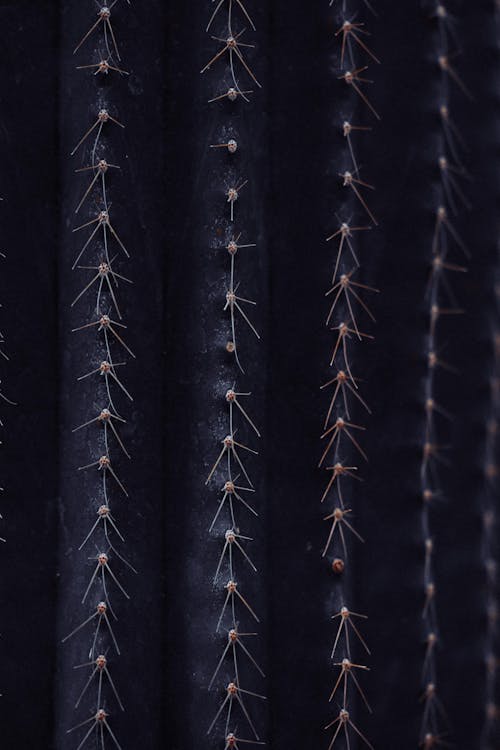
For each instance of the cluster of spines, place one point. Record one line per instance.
(230, 467)
(340, 433)
(98, 255)
(441, 303)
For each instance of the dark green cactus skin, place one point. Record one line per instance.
(168, 199)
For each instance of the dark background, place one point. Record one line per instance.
(168, 202)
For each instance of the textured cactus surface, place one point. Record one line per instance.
(252, 136)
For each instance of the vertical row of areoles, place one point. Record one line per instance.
(237, 622)
(445, 248)
(489, 544)
(100, 331)
(348, 317)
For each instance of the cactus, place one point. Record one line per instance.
(243, 196)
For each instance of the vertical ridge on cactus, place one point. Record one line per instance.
(97, 632)
(441, 302)
(489, 543)
(490, 549)
(348, 307)
(229, 469)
